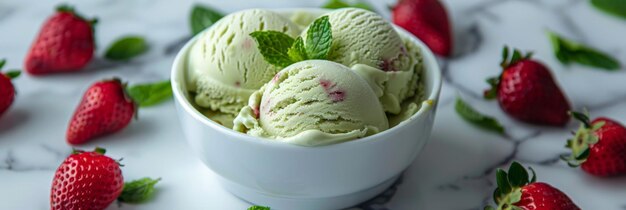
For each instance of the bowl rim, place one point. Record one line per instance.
(430, 102)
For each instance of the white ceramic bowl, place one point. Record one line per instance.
(285, 176)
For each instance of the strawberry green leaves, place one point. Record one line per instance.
(319, 38)
(508, 59)
(279, 49)
(151, 93)
(259, 208)
(126, 48)
(583, 138)
(202, 17)
(568, 51)
(274, 47)
(613, 7)
(11, 74)
(509, 187)
(337, 4)
(472, 116)
(138, 191)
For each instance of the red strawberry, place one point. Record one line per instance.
(428, 20)
(515, 189)
(104, 109)
(7, 91)
(599, 147)
(64, 44)
(86, 180)
(108, 107)
(526, 91)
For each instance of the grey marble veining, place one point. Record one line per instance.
(455, 170)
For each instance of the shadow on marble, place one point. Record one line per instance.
(13, 118)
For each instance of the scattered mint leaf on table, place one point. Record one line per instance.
(568, 51)
(274, 47)
(150, 93)
(138, 191)
(202, 17)
(337, 4)
(472, 116)
(613, 7)
(126, 48)
(259, 208)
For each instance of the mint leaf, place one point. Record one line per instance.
(150, 93)
(126, 48)
(274, 47)
(297, 52)
(474, 117)
(202, 17)
(319, 38)
(259, 208)
(2, 62)
(138, 191)
(613, 7)
(337, 4)
(568, 51)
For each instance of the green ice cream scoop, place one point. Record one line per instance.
(224, 65)
(312, 103)
(366, 42)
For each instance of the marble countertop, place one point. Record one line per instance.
(455, 170)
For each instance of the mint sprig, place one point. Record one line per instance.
(297, 51)
(337, 4)
(274, 47)
(150, 94)
(319, 38)
(568, 51)
(474, 117)
(281, 50)
(138, 191)
(202, 17)
(613, 7)
(126, 48)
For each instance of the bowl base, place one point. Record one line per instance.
(303, 203)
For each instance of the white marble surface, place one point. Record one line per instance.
(455, 171)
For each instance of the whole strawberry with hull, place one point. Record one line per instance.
(105, 108)
(91, 180)
(86, 180)
(518, 191)
(7, 90)
(428, 20)
(109, 106)
(527, 91)
(598, 147)
(64, 44)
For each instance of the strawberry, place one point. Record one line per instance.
(516, 191)
(64, 44)
(91, 180)
(599, 146)
(108, 107)
(527, 91)
(104, 109)
(86, 180)
(428, 20)
(7, 91)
